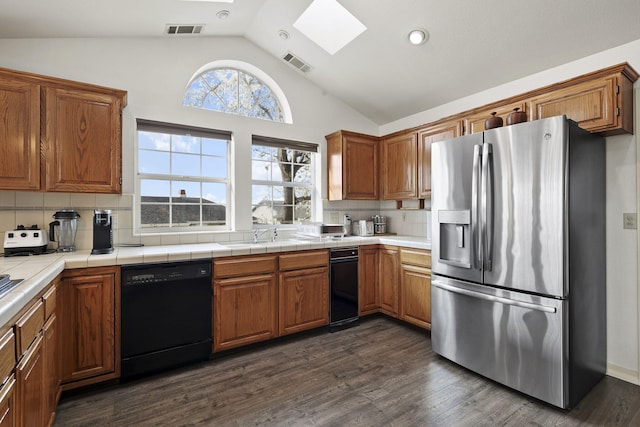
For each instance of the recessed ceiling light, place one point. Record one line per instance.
(223, 14)
(418, 36)
(283, 35)
(329, 25)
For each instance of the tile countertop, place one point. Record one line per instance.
(39, 271)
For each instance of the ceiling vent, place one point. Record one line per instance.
(175, 29)
(297, 62)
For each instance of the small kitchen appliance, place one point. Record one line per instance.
(25, 241)
(346, 220)
(63, 229)
(363, 227)
(379, 224)
(102, 232)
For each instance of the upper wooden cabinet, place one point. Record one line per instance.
(352, 161)
(603, 103)
(426, 137)
(399, 169)
(474, 122)
(60, 135)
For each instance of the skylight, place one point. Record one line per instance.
(329, 25)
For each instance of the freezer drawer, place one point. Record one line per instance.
(513, 338)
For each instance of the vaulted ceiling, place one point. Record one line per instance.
(472, 46)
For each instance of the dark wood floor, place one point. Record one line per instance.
(380, 373)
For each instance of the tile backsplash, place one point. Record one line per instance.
(32, 208)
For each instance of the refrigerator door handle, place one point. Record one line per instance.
(475, 212)
(492, 298)
(487, 206)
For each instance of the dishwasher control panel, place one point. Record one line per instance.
(169, 272)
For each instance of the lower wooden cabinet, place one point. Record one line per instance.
(368, 295)
(389, 276)
(415, 296)
(29, 390)
(90, 326)
(304, 296)
(8, 403)
(51, 373)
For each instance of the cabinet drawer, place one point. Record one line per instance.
(8, 403)
(49, 299)
(28, 327)
(421, 258)
(243, 266)
(7, 354)
(304, 260)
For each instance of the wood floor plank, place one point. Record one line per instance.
(380, 373)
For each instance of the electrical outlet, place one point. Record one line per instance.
(404, 216)
(630, 221)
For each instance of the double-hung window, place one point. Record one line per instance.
(182, 178)
(282, 180)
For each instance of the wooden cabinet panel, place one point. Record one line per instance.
(418, 257)
(8, 404)
(474, 123)
(304, 296)
(426, 137)
(89, 324)
(83, 129)
(399, 156)
(307, 259)
(7, 354)
(51, 374)
(29, 391)
(389, 275)
(244, 266)
(352, 161)
(368, 298)
(20, 135)
(245, 310)
(591, 104)
(415, 304)
(28, 326)
(49, 299)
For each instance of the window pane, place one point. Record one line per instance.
(154, 141)
(214, 147)
(303, 212)
(260, 194)
(185, 215)
(214, 193)
(263, 153)
(185, 164)
(215, 167)
(154, 215)
(302, 174)
(283, 214)
(155, 162)
(185, 144)
(185, 192)
(260, 170)
(154, 188)
(213, 214)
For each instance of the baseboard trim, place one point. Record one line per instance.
(623, 374)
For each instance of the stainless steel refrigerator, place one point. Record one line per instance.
(518, 257)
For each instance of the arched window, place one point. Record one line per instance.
(232, 89)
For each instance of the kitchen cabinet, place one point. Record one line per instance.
(399, 170)
(60, 135)
(29, 393)
(368, 290)
(415, 287)
(602, 104)
(426, 137)
(474, 122)
(90, 326)
(8, 403)
(303, 289)
(389, 275)
(20, 135)
(245, 301)
(353, 166)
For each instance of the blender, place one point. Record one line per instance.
(63, 229)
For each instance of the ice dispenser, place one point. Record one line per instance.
(455, 238)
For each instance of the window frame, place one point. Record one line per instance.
(143, 125)
(264, 141)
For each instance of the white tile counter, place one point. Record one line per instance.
(39, 271)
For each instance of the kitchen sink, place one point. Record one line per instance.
(6, 284)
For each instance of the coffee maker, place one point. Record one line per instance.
(102, 232)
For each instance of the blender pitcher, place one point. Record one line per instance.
(63, 230)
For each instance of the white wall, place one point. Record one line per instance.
(622, 245)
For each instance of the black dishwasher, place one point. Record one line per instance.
(166, 316)
(344, 287)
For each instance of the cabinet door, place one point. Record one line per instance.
(415, 295)
(82, 141)
(245, 310)
(474, 123)
(89, 345)
(29, 391)
(426, 137)
(389, 277)
(368, 298)
(19, 135)
(51, 377)
(399, 167)
(304, 299)
(352, 162)
(8, 403)
(591, 104)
